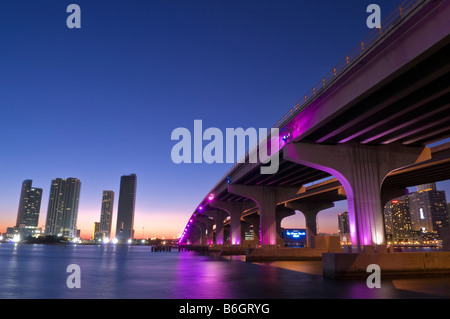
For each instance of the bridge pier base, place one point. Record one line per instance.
(219, 217)
(310, 211)
(234, 209)
(267, 198)
(202, 234)
(207, 229)
(254, 220)
(281, 213)
(361, 170)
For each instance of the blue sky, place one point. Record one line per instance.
(101, 101)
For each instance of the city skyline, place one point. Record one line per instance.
(107, 215)
(104, 104)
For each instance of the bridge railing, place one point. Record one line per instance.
(371, 39)
(403, 10)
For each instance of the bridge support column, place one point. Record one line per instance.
(282, 212)
(254, 220)
(361, 170)
(219, 217)
(235, 209)
(202, 227)
(310, 211)
(208, 228)
(267, 198)
(195, 234)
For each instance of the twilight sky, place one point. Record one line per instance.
(102, 101)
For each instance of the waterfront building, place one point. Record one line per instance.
(62, 210)
(125, 211)
(106, 215)
(29, 205)
(417, 217)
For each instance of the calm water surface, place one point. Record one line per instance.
(39, 271)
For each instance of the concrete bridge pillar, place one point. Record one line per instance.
(202, 236)
(361, 170)
(194, 234)
(267, 198)
(234, 209)
(219, 217)
(310, 211)
(209, 227)
(282, 212)
(254, 220)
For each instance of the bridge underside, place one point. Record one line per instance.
(411, 107)
(381, 111)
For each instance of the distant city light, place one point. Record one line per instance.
(16, 238)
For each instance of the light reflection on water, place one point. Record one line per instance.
(39, 271)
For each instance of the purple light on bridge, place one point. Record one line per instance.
(211, 197)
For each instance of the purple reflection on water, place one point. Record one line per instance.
(107, 271)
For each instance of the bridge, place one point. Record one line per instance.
(367, 124)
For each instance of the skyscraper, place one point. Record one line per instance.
(428, 208)
(418, 215)
(343, 224)
(29, 205)
(106, 214)
(62, 210)
(27, 214)
(397, 220)
(125, 212)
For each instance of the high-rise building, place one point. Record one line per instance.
(27, 214)
(106, 214)
(62, 210)
(96, 234)
(397, 220)
(125, 211)
(428, 208)
(419, 215)
(29, 205)
(343, 224)
(426, 187)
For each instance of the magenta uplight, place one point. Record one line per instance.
(211, 197)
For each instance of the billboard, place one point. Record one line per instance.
(294, 237)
